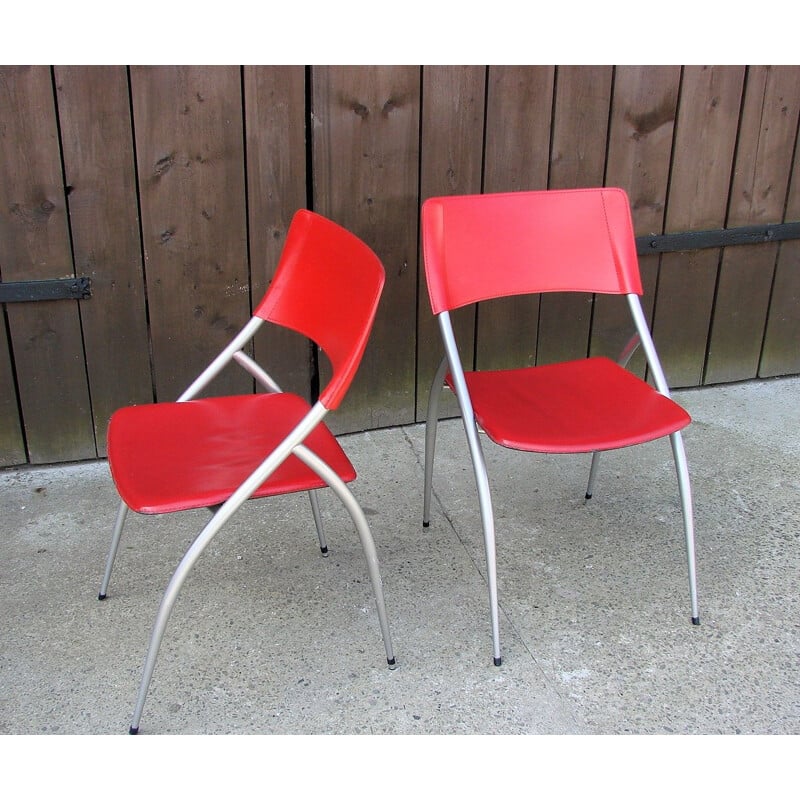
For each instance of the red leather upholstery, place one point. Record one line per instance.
(175, 456)
(481, 246)
(571, 407)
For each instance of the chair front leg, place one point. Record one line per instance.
(487, 520)
(682, 469)
(168, 602)
(481, 476)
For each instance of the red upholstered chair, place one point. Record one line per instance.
(218, 452)
(480, 247)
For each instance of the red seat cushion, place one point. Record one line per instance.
(175, 456)
(571, 407)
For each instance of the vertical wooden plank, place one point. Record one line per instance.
(519, 110)
(275, 111)
(12, 443)
(758, 196)
(366, 173)
(580, 125)
(94, 114)
(453, 100)
(189, 142)
(640, 144)
(34, 244)
(781, 351)
(708, 114)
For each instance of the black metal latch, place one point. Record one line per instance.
(55, 289)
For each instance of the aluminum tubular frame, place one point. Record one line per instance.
(678, 450)
(478, 463)
(314, 462)
(292, 444)
(644, 338)
(451, 359)
(258, 372)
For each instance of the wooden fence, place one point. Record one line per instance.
(171, 189)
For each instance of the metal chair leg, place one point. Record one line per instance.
(167, 603)
(431, 425)
(485, 502)
(208, 533)
(481, 476)
(593, 474)
(112, 553)
(313, 461)
(681, 467)
(487, 520)
(323, 544)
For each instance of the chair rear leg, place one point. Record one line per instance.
(430, 447)
(323, 544)
(431, 425)
(681, 467)
(593, 474)
(112, 553)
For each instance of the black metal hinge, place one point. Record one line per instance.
(725, 237)
(56, 289)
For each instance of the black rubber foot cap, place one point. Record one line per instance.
(133, 731)
(101, 597)
(695, 620)
(324, 551)
(588, 496)
(498, 662)
(426, 524)
(392, 662)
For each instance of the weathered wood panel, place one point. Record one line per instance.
(34, 244)
(453, 106)
(366, 171)
(580, 125)
(640, 145)
(781, 351)
(189, 141)
(705, 137)
(181, 236)
(12, 443)
(758, 196)
(519, 112)
(275, 103)
(97, 146)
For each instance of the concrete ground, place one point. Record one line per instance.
(267, 637)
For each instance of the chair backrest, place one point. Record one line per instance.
(477, 247)
(326, 286)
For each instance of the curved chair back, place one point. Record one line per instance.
(482, 246)
(327, 286)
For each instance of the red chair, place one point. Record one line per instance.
(218, 452)
(487, 246)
